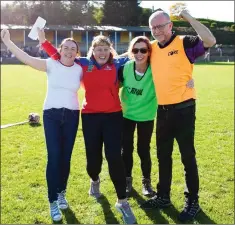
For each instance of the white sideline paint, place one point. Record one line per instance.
(13, 124)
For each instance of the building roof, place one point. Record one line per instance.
(81, 28)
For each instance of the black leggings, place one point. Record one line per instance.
(144, 134)
(99, 129)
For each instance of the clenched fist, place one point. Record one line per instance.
(41, 35)
(5, 35)
(185, 14)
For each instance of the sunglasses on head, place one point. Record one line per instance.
(141, 50)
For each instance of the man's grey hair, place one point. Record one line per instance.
(159, 12)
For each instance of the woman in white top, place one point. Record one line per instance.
(60, 115)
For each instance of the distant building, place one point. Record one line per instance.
(120, 36)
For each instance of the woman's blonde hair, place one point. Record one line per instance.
(101, 40)
(139, 39)
(70, 39)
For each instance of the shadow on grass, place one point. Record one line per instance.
(109, 216)
(35, 124)
(70, 216)
(173, 213)
(202, 218)
(153, 214)
(58, 222)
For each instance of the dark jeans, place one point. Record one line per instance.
(99, 128)
(144, 134)
(60, 126)
(178, 124)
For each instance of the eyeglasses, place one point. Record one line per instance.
(159, 27)
(141, 50)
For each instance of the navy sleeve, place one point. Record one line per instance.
(83, 61)
(122, 60)
(120, 74)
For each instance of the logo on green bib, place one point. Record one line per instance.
(134, 91)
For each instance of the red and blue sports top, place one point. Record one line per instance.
(100, 82)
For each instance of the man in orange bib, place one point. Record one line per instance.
(172, 62)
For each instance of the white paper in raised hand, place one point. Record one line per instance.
(40, 23)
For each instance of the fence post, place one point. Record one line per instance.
(115, 40)
(87, 41)
(56, 38)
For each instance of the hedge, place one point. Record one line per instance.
(220, 24)
(222, 37)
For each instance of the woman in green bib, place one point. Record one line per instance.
(139, 105)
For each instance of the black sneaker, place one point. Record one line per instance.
(147, 188)
(191, 209)
(157, 201)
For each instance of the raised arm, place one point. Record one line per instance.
(204, 33)
(38, 64)
(47, 46)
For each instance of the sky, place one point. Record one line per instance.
(216, 10)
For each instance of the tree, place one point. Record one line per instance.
(53, 10)
(98, 15)
(26, 12)
(121, 13)
(88, 14)
(80, 12)
(75, 12)
(175, 9)
(39, 8)
(15, 13)
(6, 12)
(144, 16)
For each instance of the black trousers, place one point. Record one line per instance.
(144, 134)
(99, 129)
(177, 124)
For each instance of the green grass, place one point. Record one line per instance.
(23, 157)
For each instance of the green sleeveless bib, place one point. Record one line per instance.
(138, 95)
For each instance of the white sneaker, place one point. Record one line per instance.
(55, 212)
(94, 190)
(62, 202)
(127, 214)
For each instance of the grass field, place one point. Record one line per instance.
(23, 157)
